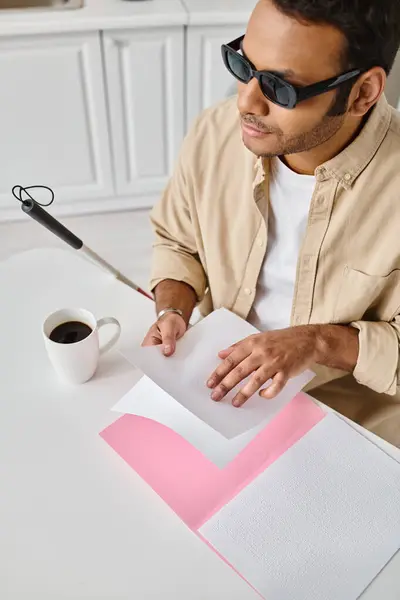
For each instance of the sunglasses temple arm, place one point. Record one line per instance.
(236, 44)
(312, 91)
(325, 86)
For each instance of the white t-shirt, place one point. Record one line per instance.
(290, 198)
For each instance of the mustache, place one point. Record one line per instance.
(257, 123)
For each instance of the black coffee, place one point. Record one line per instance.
(70, 332)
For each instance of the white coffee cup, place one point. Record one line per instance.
(77, 362)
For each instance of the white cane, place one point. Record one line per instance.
(36, 211)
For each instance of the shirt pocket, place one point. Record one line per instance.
(367, 297)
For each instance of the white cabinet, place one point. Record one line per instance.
(53, 120)
(100, 115)
(145, 82)
(208, 81)
(393, 86)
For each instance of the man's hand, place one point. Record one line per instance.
(280, 355)
(166, 331)
(171, 327)
(275, 355)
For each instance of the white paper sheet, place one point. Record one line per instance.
(318, 524)
(148, 400)
(184, 375)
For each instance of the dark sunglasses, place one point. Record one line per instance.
(276, 89)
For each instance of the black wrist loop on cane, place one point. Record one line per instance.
(18, 192)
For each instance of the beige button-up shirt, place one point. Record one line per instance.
(211, 233)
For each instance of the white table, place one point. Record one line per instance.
(76, 523)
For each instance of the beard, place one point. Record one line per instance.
(285, 144)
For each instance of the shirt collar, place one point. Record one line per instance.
(351, 162)
(260, 172)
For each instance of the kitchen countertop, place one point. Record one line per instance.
(219, 12)
(95, 15)
(125, 14)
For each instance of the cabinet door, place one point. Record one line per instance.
(208, 81)
(53, 119)
(145, 74)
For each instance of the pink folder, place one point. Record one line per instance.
(188, 482)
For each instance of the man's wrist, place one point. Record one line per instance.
(336, 346)
(176, 295)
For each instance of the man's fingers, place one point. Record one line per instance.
(227, 366)
(225, 353)
(259, 377)
(243, 370)
(166, 332)
(168, 340)
(152, 338)
(277, 385)
(170, 331)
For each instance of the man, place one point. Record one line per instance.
(285, 208)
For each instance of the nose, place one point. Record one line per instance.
(251, 100)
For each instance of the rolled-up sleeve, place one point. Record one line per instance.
(378, 365)
(175, 251)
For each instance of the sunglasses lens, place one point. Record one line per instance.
(275, 90)
(238, 66)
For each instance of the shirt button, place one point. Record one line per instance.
(248, 292)
(320, 200)
(260, 242)
(347, 176)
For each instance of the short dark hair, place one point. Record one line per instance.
(371, 27)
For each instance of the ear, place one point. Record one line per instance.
(367, 91)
